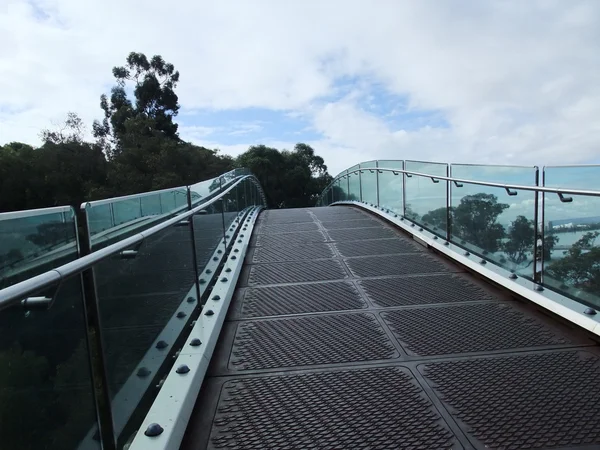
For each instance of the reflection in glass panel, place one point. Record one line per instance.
(139, 300)
(342, 185)
(390, 186)
(353, 183)
(112, 220)
(46, 394)
(368, 179)
(490, 222)
(209, 235)
(33, 242)
(426, 197)
(230, 210)
(572, 234)
(205, 190)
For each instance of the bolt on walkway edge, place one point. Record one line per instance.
(345, 333)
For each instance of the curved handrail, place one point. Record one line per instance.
(559, 191)
(15, 293)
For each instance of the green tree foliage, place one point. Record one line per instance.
(290, 179)
(550, 241)
(580, 266)
(438, 218)
(138, 149)
(150, 115)
(521, 239)
(475, 221)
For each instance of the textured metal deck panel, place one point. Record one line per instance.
(547, 400)
(296, 272)
(353, 223)
(287, 228)
(307, 341)
(365, 339)
(292, 252)
(358, 234)
(369, 408)
(468, 328)
(281, 239)
(404, 264)
(404, 291)
(299, 299)
(375, 247)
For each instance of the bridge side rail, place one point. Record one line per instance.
(88, 344)
(537, 227)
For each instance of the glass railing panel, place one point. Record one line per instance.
(209, 235)
(391, 185)
(151, 206)
(426, 197)
(230, 210)
(368, 180)
(205, 190)
(112, 220)
(33, 242)
(100, 218)
(490, 222)
(571, 259)
(336, 194)
(340, 189)
(144, 309)
(127, 210)
(353, 183)
(46, 392)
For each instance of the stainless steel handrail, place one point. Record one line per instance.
(182, 189)
(17, 292)
(551, 190)
(35, 212)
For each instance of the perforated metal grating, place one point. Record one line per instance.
(369, 409)
(301, 324)
(468, 328)
(536, 401)
(377, 247)
(296, 272)
(283, 239)
(303, 298)
(419, 290)
(358, 234)
(292, 252)
(352, 223)
(310, 340)
(405, 264)
(287, 228)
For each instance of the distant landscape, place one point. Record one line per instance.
(136, 148)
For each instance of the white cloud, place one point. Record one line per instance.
(516, 82)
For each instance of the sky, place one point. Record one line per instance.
(496, 82)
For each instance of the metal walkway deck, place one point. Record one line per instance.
(345, 333)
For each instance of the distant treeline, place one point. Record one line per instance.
(137, 148)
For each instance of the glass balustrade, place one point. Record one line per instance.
(114, 219)
(33, 242)
(571, 245)
(46, 389)
(495, 223)
(544, 238)
(146, 296)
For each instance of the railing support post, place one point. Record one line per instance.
(360, 194)
(193, 237)
(448, 204)
(539, 233)
(404, 190)
(95, 345)
(377, 180)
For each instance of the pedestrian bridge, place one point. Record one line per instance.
(410, 309)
